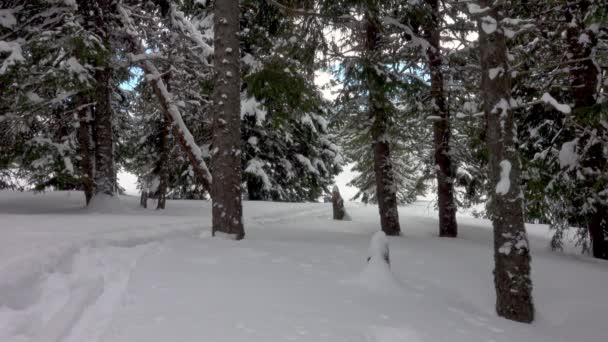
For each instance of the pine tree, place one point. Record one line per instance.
(226, 149)
(441, 126)
(511, 248)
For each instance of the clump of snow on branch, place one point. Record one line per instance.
(548, 99)
(15, 55)
(256, 167)
(567, 155)
(252, 107)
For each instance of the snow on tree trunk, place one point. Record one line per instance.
(441, 129)
(337, 204)
(86, 149)
(584, 84)
(226, 153)
(386, 193)
(511, 248)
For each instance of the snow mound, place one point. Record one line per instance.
(377, 275)
(105, 204)
(378, 247)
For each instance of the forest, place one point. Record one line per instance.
(497, 108)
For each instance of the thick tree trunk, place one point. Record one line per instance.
(226, 152)
(104, 141)
(441, 129)
(378, 105)
(97, 14)
(511, 248)
(163, 162)
(86, 150)
(584, 85)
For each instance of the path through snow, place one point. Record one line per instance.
(149, 276)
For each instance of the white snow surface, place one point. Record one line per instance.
(71, 275)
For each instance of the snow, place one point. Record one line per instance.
(256, 167)
(548, 99)
(75, 67)
(306, 163)
(504, 183)
(252, 107)
(7, 18)
(567, 155)
(15, 54)
(488, 24)
(144, 275)
(493, 72)
(475, 9)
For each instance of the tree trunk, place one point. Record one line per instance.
(255, 189)
(226, 153)
(441, 129)
(337, 204)
(97, 14)
(163, 166)
(511, 248)
(104, 141)
(86, 150)
(584, 84)
(378, 106)
(143, 199)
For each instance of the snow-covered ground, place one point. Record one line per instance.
(71, 275)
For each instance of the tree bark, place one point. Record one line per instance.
(97, 14)
(104, 141)
(143, 199)
(584, 85)
(337, 204)
(86, 150)
(511, 248)
(378, 113)
(226, 153)
(163, 166)
(441, 129)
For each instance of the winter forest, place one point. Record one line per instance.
(469, 139)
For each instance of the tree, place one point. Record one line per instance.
(441, 126)
(511, 248)
(97, 15)
(226, 147)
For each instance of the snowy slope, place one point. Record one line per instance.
(142, 275)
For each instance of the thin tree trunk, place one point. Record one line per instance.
(173, 114)
(86, 150)
(163, 167)
(441, 129)
(584, 84)
(511, 248)
(226, 157)
(337, 204)
(378, 105)
(143, 199)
